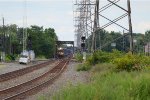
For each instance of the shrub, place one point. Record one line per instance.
(145, 60)
(103, 67)
(98, 57)
(9, 58)
(90, 60)
(79, 57)
(83, 67)
(103, 57)
(41, 57)
(130, 62)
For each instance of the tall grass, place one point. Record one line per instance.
(107, 84)
(131, 82)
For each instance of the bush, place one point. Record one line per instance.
(103, 67)
(145, 60)
(103, 57)
(131, 62)
(83, 67)
(79, 57)
(9, 58)
(98, 57)
(41, 57)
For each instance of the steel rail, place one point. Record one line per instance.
(23, 71)
(10, 93)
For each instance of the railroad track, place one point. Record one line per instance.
(23, 90)
(20, 72)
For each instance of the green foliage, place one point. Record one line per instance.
(122, 61)
(103, 57)
(105, 38)
(79, 57)
(108, 85)
(131, 62)
(41, 57)
(43, 40)
(84, 67)
(9, 58)
(104, 67)
(98, 57)
(142, 89)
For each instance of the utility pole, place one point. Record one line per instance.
(99, 36)
(3, 41)
(96, 25)
(130, 26)
(9, 41)
(123, 41)
(148, 48)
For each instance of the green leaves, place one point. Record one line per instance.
(131, 62)
(43, 40)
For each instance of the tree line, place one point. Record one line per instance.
(107, 41)
(41, 40)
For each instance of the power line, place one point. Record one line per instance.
(96, 23)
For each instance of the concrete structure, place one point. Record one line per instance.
(147, 48)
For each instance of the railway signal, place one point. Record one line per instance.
(83, 38)
(83, 42)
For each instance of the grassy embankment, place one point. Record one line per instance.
(114, 76)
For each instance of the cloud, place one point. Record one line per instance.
(65, 33)
(34, 0)
(142, 27)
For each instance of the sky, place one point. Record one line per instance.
(58, 14)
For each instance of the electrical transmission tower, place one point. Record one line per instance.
(94, 15)
(84, 20)
(25, 35)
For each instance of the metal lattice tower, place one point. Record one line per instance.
(86, 14)
(83, 19)
(25, 35)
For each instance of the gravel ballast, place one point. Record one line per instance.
(9, 67)
(26, 77)
(69, 76)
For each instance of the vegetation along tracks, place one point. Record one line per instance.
(21, 91)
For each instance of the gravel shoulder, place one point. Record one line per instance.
(26, 77)
(9, 67)
(69, 76)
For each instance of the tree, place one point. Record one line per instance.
(43, 40)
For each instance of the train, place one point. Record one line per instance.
(63, 52)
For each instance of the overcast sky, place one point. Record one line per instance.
(58, 14)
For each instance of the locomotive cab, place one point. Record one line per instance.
(60, 52)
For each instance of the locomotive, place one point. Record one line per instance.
(60, 52)
(63, 52)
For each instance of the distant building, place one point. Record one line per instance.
(147, 47)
